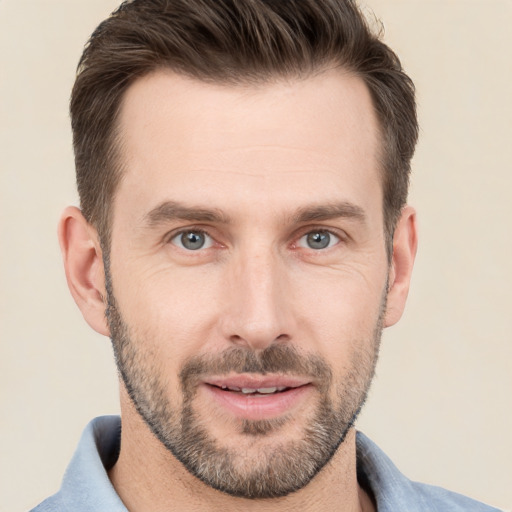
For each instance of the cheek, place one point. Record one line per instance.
(339, 313)
(177, 311)
(172, 310)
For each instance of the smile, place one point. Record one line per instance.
(258, 391)
(257, 398)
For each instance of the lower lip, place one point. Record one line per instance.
(258, 407)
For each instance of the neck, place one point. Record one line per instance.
(148, 477)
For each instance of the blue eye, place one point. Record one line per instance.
(192, 240)
(318, 240)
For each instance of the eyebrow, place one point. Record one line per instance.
(172, 210)
(329, 211)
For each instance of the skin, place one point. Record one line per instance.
(264, 159)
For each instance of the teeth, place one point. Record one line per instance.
(262, 391)
(266, 391)
(250, 391)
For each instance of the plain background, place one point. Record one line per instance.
(441, 403)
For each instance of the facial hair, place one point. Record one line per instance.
(282, 467)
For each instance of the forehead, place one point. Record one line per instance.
(286, 140)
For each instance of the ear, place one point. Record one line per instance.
(405, 243)
(83, 262)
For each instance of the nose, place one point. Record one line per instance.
(258, 311)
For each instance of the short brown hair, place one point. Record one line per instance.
(232, 42)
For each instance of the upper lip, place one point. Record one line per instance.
(257, 381)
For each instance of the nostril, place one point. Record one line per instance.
(257, 340)
(237, 340)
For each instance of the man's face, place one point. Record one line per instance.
(248, 272)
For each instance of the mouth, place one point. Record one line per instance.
(262, 391)
(258, 398)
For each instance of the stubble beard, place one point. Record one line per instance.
(279, 468)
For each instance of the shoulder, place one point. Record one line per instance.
(393, 491)
(51, 504)
(438, 499)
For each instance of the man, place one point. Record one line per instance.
(243, 239)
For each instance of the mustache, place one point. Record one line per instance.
(279, 358)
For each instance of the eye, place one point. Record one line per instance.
(318, 240)
(192, 240)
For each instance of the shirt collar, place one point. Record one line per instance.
(86, 480)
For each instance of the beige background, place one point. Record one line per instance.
(441, 403)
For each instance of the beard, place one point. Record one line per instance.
(281, 467)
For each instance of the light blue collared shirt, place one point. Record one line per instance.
(87, 488)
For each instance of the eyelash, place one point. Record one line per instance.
(321, 231)
(192, 230)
